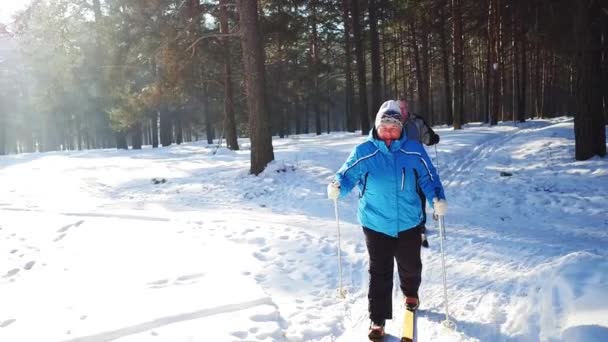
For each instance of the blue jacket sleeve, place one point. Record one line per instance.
(429, 180)
(350, 173)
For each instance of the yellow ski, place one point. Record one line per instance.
(409, 322)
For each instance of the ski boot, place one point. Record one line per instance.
(412, 303)
(376, 331)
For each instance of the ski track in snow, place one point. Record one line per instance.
(127, 260)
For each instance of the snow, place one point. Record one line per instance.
(93, 250)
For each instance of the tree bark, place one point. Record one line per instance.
(496, 66)
(446, 62)
(178, 126)
(422, 94)
(589, 123)
(166, 134)
(229, 120)
(351, 121)
(376, 88)
(121, 140)
(253, 63)
(521, 100)
(426, 107)
(204, 101)
(458, 65)
(136, 137)
(314, 60)
(154, 122)
(364, 115)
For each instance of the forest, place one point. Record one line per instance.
(92, 74)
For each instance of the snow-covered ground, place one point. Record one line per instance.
(92, 250)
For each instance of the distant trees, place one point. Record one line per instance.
(118, 73)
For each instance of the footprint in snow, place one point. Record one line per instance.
(260, 278)
(29, 265)
(159, 283)
(270, 316)
(65, 228)
(190, 277)
(328, 250)
(258, 241)
(260, 256)
(11, 273)
(240, 334)
(7, 323)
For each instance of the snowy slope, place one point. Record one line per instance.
(93, 250)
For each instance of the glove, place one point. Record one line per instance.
(440, 206)
(333, 190)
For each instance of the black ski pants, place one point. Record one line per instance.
(383, 250)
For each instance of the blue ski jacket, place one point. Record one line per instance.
(387, 178)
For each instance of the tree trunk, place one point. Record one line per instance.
(426, 111)
(521, 100)
(314, 60)
(422, 94)
(489, 64)
(253, 64)
(3, 125)
(121, 140)
(351, 120)
(496, 66)
(166, 134)
(446, 63)
(589, 123)
(136, 137)
(386, 88)
(404, 64)
(605, 68)
(364, 114)
(204, 100)
(458, 65)
(376, 88)
(154, 122)
(229, 120)
(178, 126)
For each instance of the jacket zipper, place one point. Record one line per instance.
(402, 178)
(364, 184)
(397, 198)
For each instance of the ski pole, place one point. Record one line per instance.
(436, 159)
(341, 292)
(447, 322)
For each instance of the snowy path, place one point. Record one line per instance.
(94, 251)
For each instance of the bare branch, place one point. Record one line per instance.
(212, 35)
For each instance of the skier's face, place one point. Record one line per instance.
(403, 107)
(389, 133)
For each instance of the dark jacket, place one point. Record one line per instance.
(417, 129)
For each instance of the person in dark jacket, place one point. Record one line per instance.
(417, 129)
(388, 168)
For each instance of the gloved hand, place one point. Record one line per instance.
(333, 190)
(440, 206)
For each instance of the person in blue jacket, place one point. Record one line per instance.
(387, 168)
